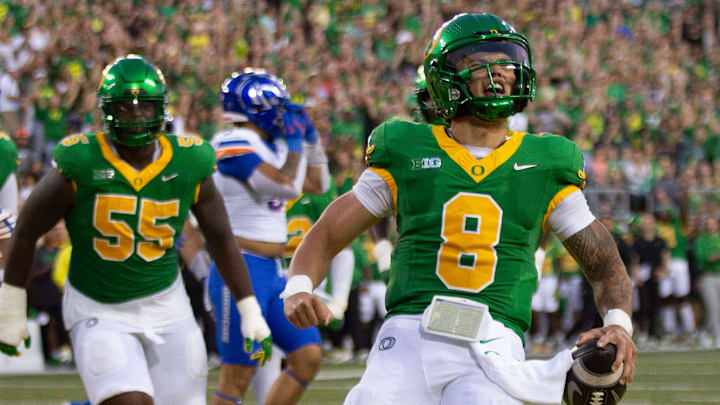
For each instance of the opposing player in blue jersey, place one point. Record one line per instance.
(262, 162)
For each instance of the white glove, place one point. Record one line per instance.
(254, 328)
(337, 307)
(13, 315)
(383, 252)
(253, 324)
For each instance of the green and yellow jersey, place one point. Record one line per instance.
(125, 222)
(552, 249)
(8, 157)
(365, 262)
(467, 227)
(302, 213)
(675, 237)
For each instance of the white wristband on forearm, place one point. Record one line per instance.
(617, 316)
(297, 284)
(315, 154)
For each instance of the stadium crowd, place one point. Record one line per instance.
(634, 83)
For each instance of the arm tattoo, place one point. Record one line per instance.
(595, 251)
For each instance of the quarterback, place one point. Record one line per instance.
(472, 200)
(125, 195)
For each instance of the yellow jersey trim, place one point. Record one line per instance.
(557, 200)
(390, 181)
(290, 204)
(477, 169)
(137, 180)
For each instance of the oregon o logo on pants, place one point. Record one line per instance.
(387, 343)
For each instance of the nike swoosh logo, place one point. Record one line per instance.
(168, 178)
(572, 389)
(489, 340)
(523, 167)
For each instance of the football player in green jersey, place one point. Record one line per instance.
(8, 193)
(125, 195)
(471, 202)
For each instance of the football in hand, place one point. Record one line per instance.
(591, 380)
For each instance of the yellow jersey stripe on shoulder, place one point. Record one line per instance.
(291, 203)
(390, 181)
(557, 199)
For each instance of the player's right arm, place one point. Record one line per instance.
(311, 261)
(237, 159)
(50, 201)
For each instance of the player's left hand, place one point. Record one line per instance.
(337, 307)
(12, 350)
(626, 349)
(254, 329)
(13, 319)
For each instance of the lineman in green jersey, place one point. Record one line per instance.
(471, 201)
(124, 195)
(8, 193)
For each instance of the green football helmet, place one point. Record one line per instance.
(132, 97)
(426, 106)
(484, 47)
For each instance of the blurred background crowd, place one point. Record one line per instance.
(635, 83)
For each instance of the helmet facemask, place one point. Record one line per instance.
(134, 122)
(477, 64)
(132, 97)
(492, 79)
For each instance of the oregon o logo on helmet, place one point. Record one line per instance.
(387, 343)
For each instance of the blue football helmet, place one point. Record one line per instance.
(255, 96)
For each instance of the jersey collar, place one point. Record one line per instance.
(137, 180)
(477, 169)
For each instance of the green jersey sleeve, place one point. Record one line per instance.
(197, 156)
(568, 160)
(8, 157)
(69, 155)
